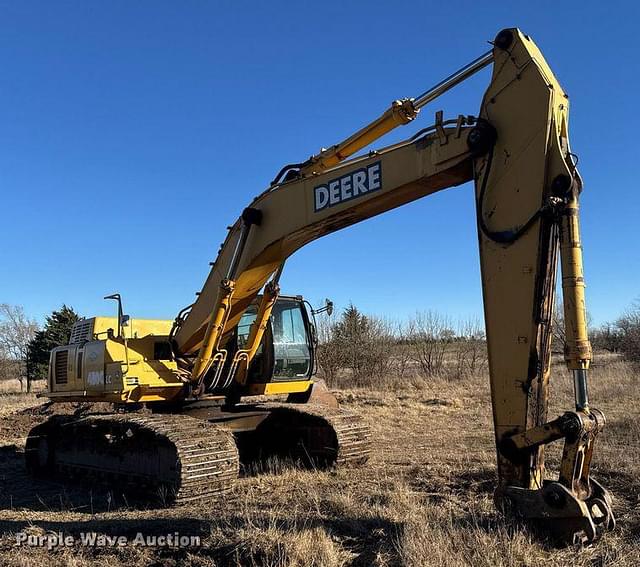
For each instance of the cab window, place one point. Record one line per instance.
(244, 326)
(290, 342)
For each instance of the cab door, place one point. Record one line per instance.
(286, 351)
(292, 350)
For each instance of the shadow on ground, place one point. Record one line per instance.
(20, 491)
(367, 539)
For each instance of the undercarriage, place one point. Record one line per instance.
(196, 454)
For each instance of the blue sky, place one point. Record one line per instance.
(133, 133)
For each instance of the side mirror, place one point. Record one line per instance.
(326, 308)
(329, 306)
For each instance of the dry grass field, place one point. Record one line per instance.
(425, 498)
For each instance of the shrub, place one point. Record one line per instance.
(629, 325)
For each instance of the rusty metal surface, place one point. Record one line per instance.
(321, 395)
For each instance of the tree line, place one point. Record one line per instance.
(25, 347)
(357, 348)
(354, 347)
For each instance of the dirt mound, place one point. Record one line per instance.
(15, 427)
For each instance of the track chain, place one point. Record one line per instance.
(351, 430)
(193, 459)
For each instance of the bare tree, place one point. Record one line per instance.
(381, 343)
(431, 335)
(403, 348)
(558, 336)
(608, 336)
(364, 345)
(16, 331)
(327, 356)
(471, 348)
(357, 347)
(629, 325)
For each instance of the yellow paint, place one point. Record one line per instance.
(577, 346)
(401, 112)
(136, 328)
(214, 330)
(256, 333)
(116, 370)
(273, 388)
(528, 109)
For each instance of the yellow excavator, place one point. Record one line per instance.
(189, 395)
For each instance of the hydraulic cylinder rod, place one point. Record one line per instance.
(401, 112)
(453, 80)
(214, 330)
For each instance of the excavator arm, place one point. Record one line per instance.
(527, 189)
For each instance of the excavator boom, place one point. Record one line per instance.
(517, 152)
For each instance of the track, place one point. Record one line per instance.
(175, 457)
(318, 435)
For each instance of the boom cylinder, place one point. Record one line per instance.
(214, 330)
(221, 310)
(259, 326)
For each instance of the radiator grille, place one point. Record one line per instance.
(60, 367)
(81, 332)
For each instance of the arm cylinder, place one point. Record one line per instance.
(453, 79)
(214, 330)
(259, 326)
(401, 112)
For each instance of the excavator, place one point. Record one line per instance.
(232, 378)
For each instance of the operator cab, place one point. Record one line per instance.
(288, 347)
